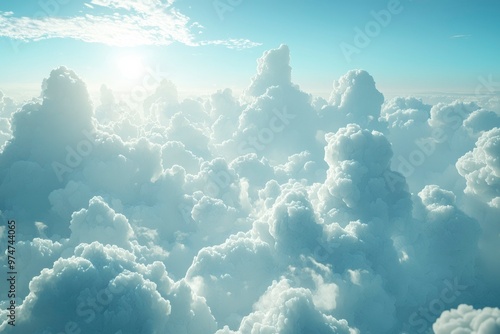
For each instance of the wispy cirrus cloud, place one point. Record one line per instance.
(461, 36)
(123, 24)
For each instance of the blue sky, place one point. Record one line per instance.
(427, 46)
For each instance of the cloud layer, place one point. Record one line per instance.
(270, 212)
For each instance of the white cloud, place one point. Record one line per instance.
(100, 223)
(465, 319)
(286, 310)
(273, 212)
(481, 168)
(273, 70)
(132, 23)
(461, 36)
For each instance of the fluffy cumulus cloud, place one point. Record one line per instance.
(481, 168)
(110, 292)
(355, 97)
(270, 212)
(283, 309)
(466, 319)
(7, 107)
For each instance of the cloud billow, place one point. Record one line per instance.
(276, 212)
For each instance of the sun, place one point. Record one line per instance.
(130, 67)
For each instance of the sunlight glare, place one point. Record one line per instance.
(130, 66)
